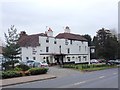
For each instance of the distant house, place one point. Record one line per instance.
(64, 48)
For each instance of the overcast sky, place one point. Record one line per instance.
(82, 16)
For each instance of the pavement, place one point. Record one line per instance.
(25, 79)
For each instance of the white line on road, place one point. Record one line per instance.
(79, 83)
(101, 76)
(114, 73)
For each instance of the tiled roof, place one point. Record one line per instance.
(71, 36)
(30, 40)
(33, 40)
(1, 49)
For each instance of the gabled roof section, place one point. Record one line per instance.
(71, 36)
(30, 40)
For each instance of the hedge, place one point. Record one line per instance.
(18, 73)
(23, 67)
(10, 74)
(37, 71)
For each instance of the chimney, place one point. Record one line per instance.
(67, 29)
(22, 33)
(49, 32)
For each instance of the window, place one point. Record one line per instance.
(43, 57)
(73, 57)
(85, 58)
(70, 41)
(60, 48)
(85, 48)
(79, 48)
(79, 58)
(34, 58)
(47, 40)
(66, 42)
(55, 42)
(27, 58)
(47, 60)
(68, 50)
(68, 58)
(47, 49)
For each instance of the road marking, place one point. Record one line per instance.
(114, 73)
(79, 83)
(101, 76)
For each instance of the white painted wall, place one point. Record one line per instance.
(54, 49)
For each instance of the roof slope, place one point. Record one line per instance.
(30, 40)
(71, 36)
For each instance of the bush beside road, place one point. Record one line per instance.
(19, 73)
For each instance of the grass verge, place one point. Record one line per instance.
(92, 67)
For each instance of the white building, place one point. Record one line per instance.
(65, 47)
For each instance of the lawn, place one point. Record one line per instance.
(91, 67)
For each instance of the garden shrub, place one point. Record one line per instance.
(10, 74)
(23, 67)
(36, 71)
(17, 69)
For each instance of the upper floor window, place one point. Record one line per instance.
(79, 48)
(47, 40)
(85, 48)
(66, 42)
(55, 42)
(71, 41)
(47, 49)
(68, 50)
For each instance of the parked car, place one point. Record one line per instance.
(93, 61)
(40, 64)
(117, 62)
(111, 62)
(101, 60)
(36, 63)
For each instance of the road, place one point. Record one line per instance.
(97, 79)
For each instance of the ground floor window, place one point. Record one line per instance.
(68, 58)
(34, 58)
(79, 58)
(43, 57)
(47, 60)
(27, 58)
(85, 58)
